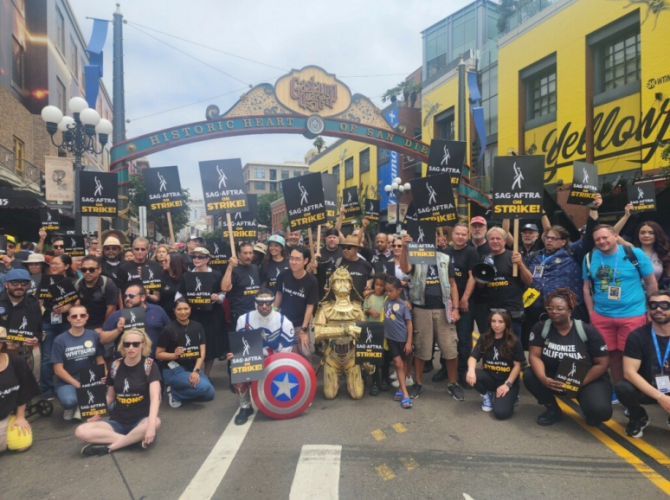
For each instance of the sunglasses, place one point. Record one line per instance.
(397, 246)
(59, 246)
(199, 257)
(346, 247)
(88, 269)
(130, 295)
(19, 283)
(498, 310)
(78, 316)
(140, 249)
(132, 344)
(552, 238)
(663, 305)
(261, 302)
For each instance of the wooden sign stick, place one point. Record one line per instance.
(230, 234)
(169, 219)
(311, 240)
(318, 239)
(515, 267)
(100, 242)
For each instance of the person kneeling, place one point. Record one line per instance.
(498, 380)
(135, 389)
(181, 352)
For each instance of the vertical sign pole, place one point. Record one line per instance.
(230, 234)
(515, 267)
(311, 240)
(100, 233)
(169, 219)
(318, 239)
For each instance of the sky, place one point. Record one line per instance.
(356, 40)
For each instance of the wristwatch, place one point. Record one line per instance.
(196, 370)
(509, 384)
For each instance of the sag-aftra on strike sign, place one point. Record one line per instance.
(518, 187)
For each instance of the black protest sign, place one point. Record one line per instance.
(223, 186)
(584, 183)
(63, 293)
(323, 272)
(50, 219)
(305, 201)
(370, 343)
(247, 362)
(434, 199)
(75, 245)
(163, 189)
(572, 373)
(35, 280)
(91, 396)
(46, 283)
(329, 183)
(199, 290)
(99, 192)
(642, 197)
(151, 280)
(447, 157)
(410, 215)
(135, 318)
(3, 244)
(219, 253)
(372, 209)
(245, 225)
(518, 187)
(22, 325)
(92, 376)
(421, 253)
(422, 231)
(352, 208)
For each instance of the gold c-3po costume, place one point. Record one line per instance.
(335, 325)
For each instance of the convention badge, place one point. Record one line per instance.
(56, 319)
(530, 296)
(614, 293)
(557, 260)
(396, 307)
(663, 383)
(393, 317)
(538, 271)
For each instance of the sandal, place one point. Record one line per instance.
(398, 396)
(406, 403)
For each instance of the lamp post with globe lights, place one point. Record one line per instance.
(396, 189)
(78, 134)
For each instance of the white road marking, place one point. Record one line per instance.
(211, 472)
(467, 497)
(317, 475)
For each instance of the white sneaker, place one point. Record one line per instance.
(69, 414)
(394, 376)
(395, 383)
(409, 381)
(174, 402)
(77, 414)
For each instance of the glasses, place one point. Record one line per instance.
(59, 246)
(552, 238)
(140, 249)
(88, 269)
(78, 316)
(108, 248)
(264, 302)
(130, 295)
(19, 283)
(199, 257)
(498, 310)
(346, 247)
(132, 344)
(664, 305)
(556, 309)
(397, 246)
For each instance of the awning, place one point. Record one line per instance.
(11, 199)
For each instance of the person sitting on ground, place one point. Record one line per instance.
(498, 379)
(558, 337)
(133, 385)
(76, 349)
(181, 354)
(398, 332)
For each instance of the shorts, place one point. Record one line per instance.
(615, 330)
(397, 349)
(431, 326)
(124, 429)
(11, 440)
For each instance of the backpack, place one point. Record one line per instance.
(629, 254)
(148, 363)
(579, 326)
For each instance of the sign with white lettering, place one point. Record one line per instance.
(99, 192)
(305, 201)
(199, 288)
(247, 362)
(518, 187)
(245, 225)
(642, 197)
(584, 183)
(421, 253)
(223, 186)
(434, 199)
(447, 157)
(75, 245)
(370, 343)
(50, 219)
(352, 207)
(163, 189)
(372, 210)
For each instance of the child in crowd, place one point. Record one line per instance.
(373, 307)
(398, 334)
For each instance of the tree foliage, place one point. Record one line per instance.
(264, 210)
(319, 143)
(137, 197)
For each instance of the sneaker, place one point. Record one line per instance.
(428, 367)
(615, 399)
(374, 390)
(551, 416)
(384, 386)
(393, 376)
(456, 392)
(415, 391)
(69, 414)
(172, 399)
(487, 403)
(440, 376)
(635, 427)
(395, 384)
(409, 381)
(77, 414)
(243, 415)
(49, 396)
(626, 412)
(464, 383)
(95, 449)
(517, 401)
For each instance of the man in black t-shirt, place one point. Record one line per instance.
(97, 293)
(646, 381)
(16, 303)
(111, 259)
(381, 254)
(241, 282)
(130, 272)
(478, 228)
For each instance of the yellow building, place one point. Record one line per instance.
(587, 80)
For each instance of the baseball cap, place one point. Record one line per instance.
(275, 238)
(10, 239)
(18, 275)
(478, 220)
(530, 227)
(260, 247)
(196, 238)
(201, 250)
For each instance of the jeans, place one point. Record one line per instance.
(67, 396)
(51, 331)
(632, 398)
(177, 379)
(464, 328)
(502, 407)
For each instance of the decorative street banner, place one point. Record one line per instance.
(151, 280)
(35, 281)
(220, 253)
(245, 225)
(46, 283)
(370, 343)
(22, 326)
(99, 193)
(329, 183)
(135, 318)
(447, 157)
(434, 200)
(75, 245)
(305, 201)
(584, 183)
(223, 186)
(247, 362)
(518, 187)
(50, 219)
(63, 293)
(199, 290)
(163, 189)
(372, 210)
(58, 179)
(91, 396)
(422, 231)
(352, 208)
(421, 253)
(572, 373)
(642, 197)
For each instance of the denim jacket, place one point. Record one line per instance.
(417, 285)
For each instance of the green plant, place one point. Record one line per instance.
(264, 215)
(319, 143)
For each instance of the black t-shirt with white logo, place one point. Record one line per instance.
(111, 270)
(494, 362)
(190, 337)
(131, 386)
(297, 294)
(640, 345)
(329, 255)
(433, 291)
(130, 273)
(17, 385)
(464, 260)
(271, 272)
(96, 299)
(505, 291)
(246, 283)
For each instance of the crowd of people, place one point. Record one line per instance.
(600, 300)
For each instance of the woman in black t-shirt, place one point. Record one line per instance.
(174, 267)
(563, 341)
(275, 262)
(498, 379)
(133, 384)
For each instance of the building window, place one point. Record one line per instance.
(259, 173)
(285, 174)
(18, 64)
(60, 31)
(273, 186)
(621, 61)
(436, 49)
(60, 95)
(445, 125)
(463, 31)
(273, 174)
(349, 168)
(543, 94)
(82, 78)
(382, 156)
(336, 173)
(297, 173)
(74, 58)
(19, 154)
(364, 160)
(260, 186)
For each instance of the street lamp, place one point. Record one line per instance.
(395, 190)
(79, 131)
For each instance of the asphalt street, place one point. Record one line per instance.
(368, 449)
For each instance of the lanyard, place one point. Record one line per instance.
(616, 265)
(545, 257)
(661, 362)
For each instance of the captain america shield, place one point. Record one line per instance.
(287, 387)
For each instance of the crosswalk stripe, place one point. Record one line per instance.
(317, 475)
